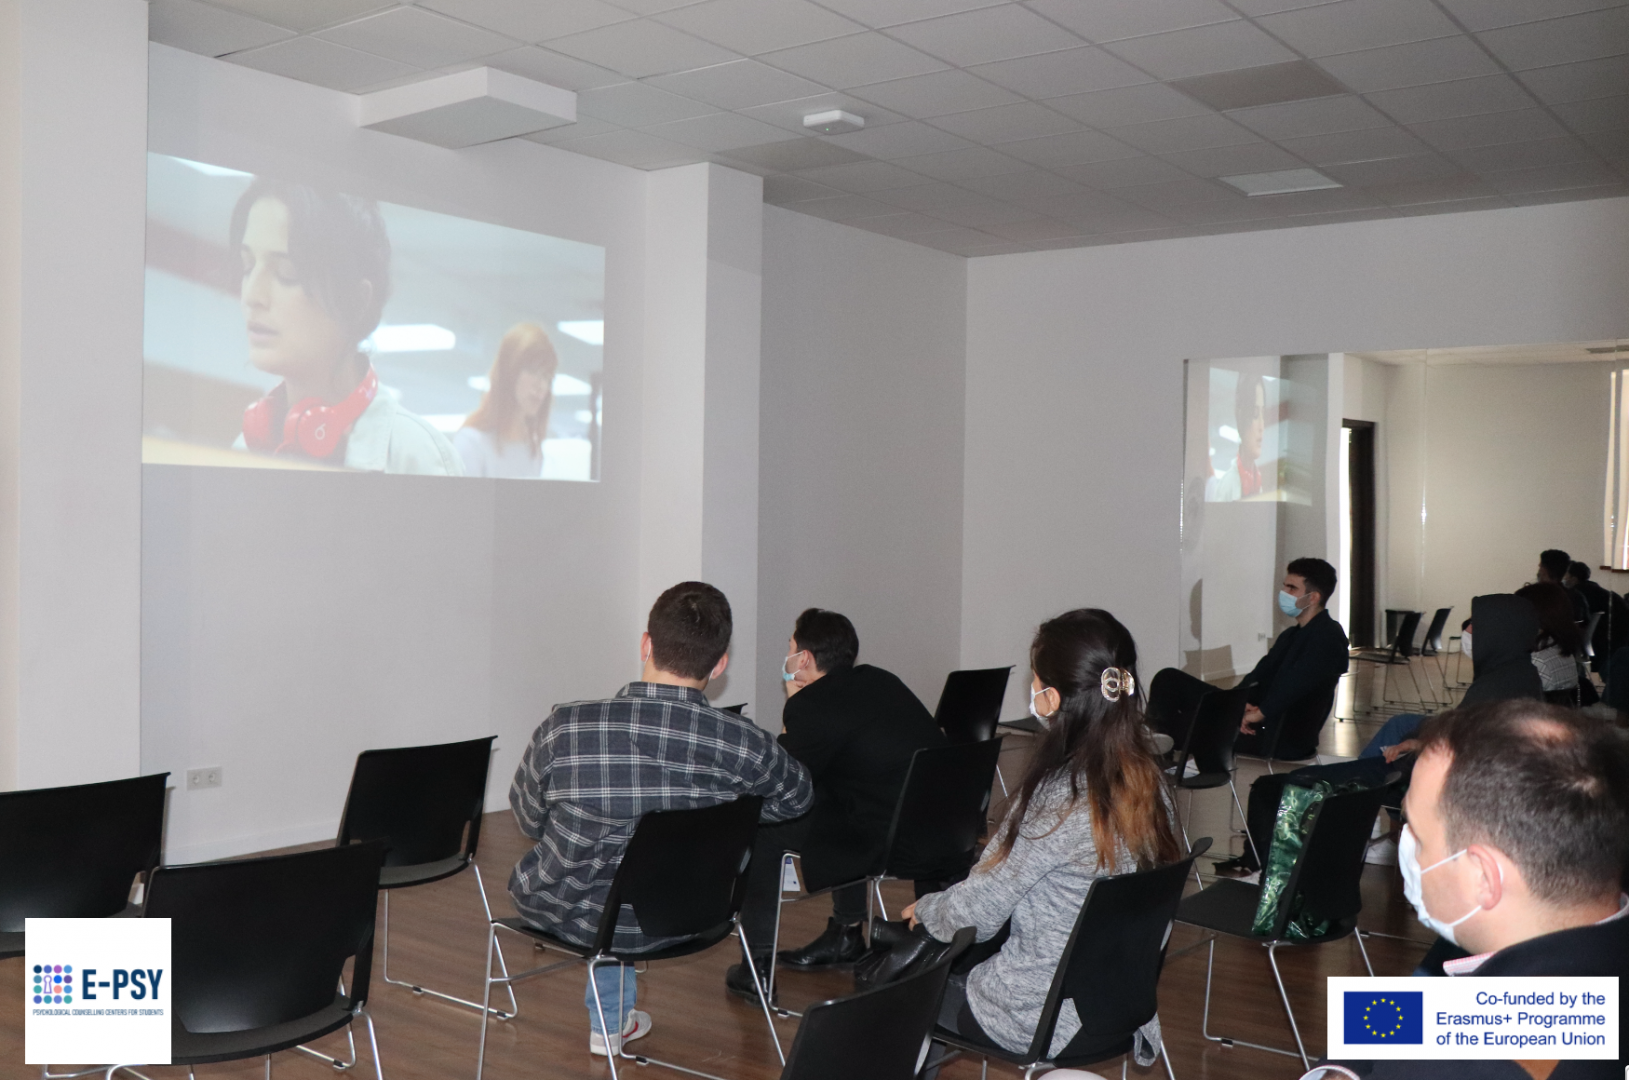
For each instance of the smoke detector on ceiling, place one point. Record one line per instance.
(834, 122)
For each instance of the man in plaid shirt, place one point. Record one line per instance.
(594, 767)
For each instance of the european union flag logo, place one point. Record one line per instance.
(1389, 1017)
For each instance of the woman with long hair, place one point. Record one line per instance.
(1558, 652)
(1092, 803)
(504, 435)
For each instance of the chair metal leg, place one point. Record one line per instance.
(373, 1043)
(594, 963)
(1165, 1056)
(876, 883)
(775, 939)
(480, 886)
(1244, 818)
(1204, 1023)
(1295, 1029)
(1370, 967)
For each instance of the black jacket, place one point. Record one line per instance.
(855, 731)
(1305, 661)
(1588, 950)
(1504, 629)
(1613, 630)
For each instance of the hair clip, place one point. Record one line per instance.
(1116, 681)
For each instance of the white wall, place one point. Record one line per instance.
(1074, 396)
(860, 505)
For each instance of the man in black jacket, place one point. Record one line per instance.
(1519, 820)
(1612, 632)
(1552, 567)
(1302, 667)
(854, 727)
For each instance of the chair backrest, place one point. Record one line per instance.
(1296, 734)
(739, 710)
(423, 802)
(1328, 875)
(1431, 644)
(970, 704)
(878, 1034)
(1111, 965)
(73, 852)
(1589, 633)
(1166, 701)
(1214, 730)
(941, 811)
(684, 872)
(1406, 629)
(258, 942)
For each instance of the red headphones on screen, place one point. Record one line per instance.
(311, 427)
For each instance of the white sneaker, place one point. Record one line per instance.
(637, 1027)
(1382, 852)
(1252, 878)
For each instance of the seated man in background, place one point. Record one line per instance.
(1307, 659)
(1552, 567)
(595, 767)
(854, 727)
(1612, 632)
(1515, 846)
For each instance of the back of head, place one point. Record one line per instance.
(1555, 563)
(1555, 616)
(1318, 574)
(1547, 786)
(1578, 571)
(828, 637)
(1506, 627)
(689, 629)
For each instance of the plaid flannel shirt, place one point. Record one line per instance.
(594, 767)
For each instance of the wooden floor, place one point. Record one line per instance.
(438, 938)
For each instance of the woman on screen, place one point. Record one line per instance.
(504, 435)
(316, 274)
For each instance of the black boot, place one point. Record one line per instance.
(738, 979)
(838, 946)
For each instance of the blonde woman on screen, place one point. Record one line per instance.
(503, 437)
(316, 274)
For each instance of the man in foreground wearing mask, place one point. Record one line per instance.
(854, 727)
(1517, 837)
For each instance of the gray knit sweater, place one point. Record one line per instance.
(1039, 887)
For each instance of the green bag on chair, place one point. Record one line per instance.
(1290, 829)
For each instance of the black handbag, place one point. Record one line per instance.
(896, 951)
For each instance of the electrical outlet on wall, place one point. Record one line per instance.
(207, 777)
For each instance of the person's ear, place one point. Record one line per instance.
(718, 668)
(644, 647)
(1050, 701)
(1488, 882)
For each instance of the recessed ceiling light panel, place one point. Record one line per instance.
(1280, 183)
(833, 122)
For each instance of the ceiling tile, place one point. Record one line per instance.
(1075, 148)
(1318, 202)
(322, 63)
(1487, 14)
(1269, 7)
(1350, 25)
(529, 21)
(633, 105)
(1613, 145)
(1458, 206)
(1561, 41)
(637, 149)
(1542, 198)
(1185, 133)
(1400, 170)
(932, 198)
(641, 48)
(846, 208)
(1235, 160)
(966, 164)
(1414, 64)
(556, 69)
(790, 114)
(899, 140)
(986, 35)
(1127, 105)
(786, 190)
(1029, 184)
(936, 94)
(1600, 114)
(1126, 172)
(1073, 71)
(1355, 146)
(718, 132)
(1577, 174)
(902, 224)
(1578, 82)
(421, 38)
(1436, 189)
(739, 84)
(759, 26)
(208, 31)
(1111, 22)
(1488, 130)
(305, 15)
(796, 153)
(960, 241)
(1189, 191)
(585, 126)
(1202, 50)
(1440, 101)
(648, 7)
(853, 61)
(1522, 155)
(1118, 217)
(991, 213)
(1321, 116)
(1243, 210)
(1268, 84)
(1008, 123)
(1036, 228)
(864, 176)
(878, 13)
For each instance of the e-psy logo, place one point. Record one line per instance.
(54, 984)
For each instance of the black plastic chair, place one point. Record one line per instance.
(739, 710)
(684, 874)
(1295, 736)
(1173, 702)
(1209, 745)
(1325, 882)
(74, 852)
(879, 1034)
(935, 832)
(1399, 650)
(258, 946)
(970, 704)
(1110, 969)
(1432, 644)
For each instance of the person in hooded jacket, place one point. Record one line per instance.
(1503, 670)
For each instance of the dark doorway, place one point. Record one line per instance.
(1360, 501)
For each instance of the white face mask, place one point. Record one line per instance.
(787, 672)
(1465, 642)
(1033, 694)
(1408, 861)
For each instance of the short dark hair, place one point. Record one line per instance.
(1555, 615)
(1578, 570)
(1319, 576)
(689, 629)
(1555, 562)
(1547, 786)
(336, 242)
(828, 637)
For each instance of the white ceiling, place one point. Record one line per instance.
(1576, 352)
(996, 126)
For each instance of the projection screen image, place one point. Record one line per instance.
(289, 326)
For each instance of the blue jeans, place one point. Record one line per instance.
(619, 990)
(1400, 727)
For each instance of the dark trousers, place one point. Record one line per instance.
(1179, 699)
(764, 884)
(1262, 809)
